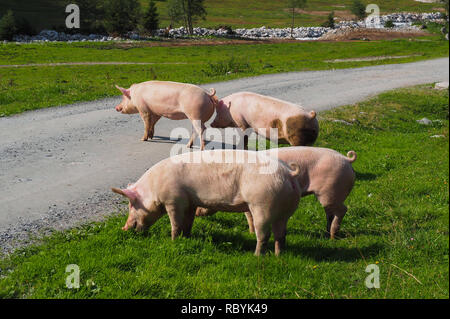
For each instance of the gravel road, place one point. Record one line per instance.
(58, 164)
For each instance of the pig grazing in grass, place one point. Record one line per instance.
(233, 181)
(261, 113)
(176, 101)
(323, 172)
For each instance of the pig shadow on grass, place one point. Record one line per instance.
(334, 253)
(236, 242)
(362, 176)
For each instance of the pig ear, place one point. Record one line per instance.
(222, 104)
(130, 194)
(125, 92)
(313, 114)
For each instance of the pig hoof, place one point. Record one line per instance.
(144, 139)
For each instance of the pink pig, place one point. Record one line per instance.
(323, 172)
(176, 101)
(234, 181)
(250, 110)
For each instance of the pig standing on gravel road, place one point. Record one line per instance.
(234, 181)
(323, 172)
(176, 101)
(250, 110)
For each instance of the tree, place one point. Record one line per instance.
(330, 21)
(8, 27)
(92, 17)
(122, 15)
(293, 5)
(187, 12)
(358, 9)
(151, 18)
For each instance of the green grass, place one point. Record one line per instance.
(398, 217)
(255, 13)
(236, 13)
(30, 88)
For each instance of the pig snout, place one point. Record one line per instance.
(129, 224)
(119, 108)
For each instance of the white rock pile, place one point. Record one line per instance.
(400, 20)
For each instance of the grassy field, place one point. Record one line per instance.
(236, 13)
(255, 13)
(398, 219)
(34, 87)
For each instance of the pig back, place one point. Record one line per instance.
(173, 100)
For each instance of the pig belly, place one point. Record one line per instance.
(174, 116)
(235, 208)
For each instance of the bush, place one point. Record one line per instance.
(227, 28)
(389, 24)
(330, 21)
(8, 26)
(226, 67)
(122, 16)
(151, 18)
(358, 9)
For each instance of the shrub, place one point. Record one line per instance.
(151, 18)
(225, 67)
(227, 28)
(330, 21)
(8, 26)
(358, 9)
(389, 24)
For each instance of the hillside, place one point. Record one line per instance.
(236, 13)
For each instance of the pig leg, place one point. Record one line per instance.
(188, 221)
(193, 136)
(153, 119)
(262, 229)
(146, 118)
(197, 128)
(335, 214)
(279, 233)
(176, 216)
(251, 226)
(246, 142)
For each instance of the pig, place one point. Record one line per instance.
(176, 101)
(323, 172)
(246, 110)
(179, 184)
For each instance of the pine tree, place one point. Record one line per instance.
(187, 12)
(122, 15)
(8, 27)
(330, 21)
(358, 9)
(151, 18)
